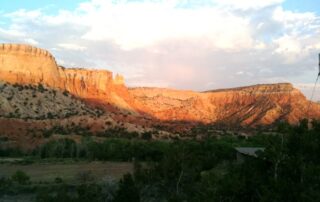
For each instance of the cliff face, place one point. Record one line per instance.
(246, 106)
(25, 64)
(86, 83)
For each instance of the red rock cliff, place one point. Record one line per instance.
(246, 106)
(25, 64)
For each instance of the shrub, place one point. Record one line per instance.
(85, 176)
(147, 136)
(41, 88)
(58, 180)
(128, 191)
(65, 93)
(20, 177)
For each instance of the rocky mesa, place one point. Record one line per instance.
(244, 106)
(25, 64)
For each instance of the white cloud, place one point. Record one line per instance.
(223, 43)
(307, 89)
(24, 15)
(292, 19)
(247, 4)
(135, 25)
(288, 44)
(74, 47)
(31, 41)
(139, 24)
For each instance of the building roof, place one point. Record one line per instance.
(250, 151)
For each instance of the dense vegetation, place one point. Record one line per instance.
(207, 170)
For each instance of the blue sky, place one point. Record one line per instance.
(187, 44)
(303, 5)
(51, 6)
(54, 5)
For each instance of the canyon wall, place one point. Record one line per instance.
(25, 64)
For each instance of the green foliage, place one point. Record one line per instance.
(5, 184)
(146, 136)
(89, 193)
(62, 148)
(50, 115)
(65, 93)
(288, 170)
(20, 177)
(60, 194)
(128, 191)
(189, 170)
(109, 188)
(81, 193)
(85, 177)
(41, 88)
(118, 132)
(10, 152)
(58, 180)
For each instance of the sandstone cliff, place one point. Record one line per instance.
(27, 65)
(246, 106)
(24, 64)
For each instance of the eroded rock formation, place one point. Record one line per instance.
(25, 64)
(246, 106)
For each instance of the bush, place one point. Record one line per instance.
(128, 191)
(58, 180)
(20, 177)
(5, 183)
(41, 88)
(85, 176)
(65, 93)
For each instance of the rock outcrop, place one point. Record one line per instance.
(245, 106)
(85, 83)
(24, 64)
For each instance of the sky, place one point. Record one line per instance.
(184, 44)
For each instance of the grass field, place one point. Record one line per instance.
(47, 172)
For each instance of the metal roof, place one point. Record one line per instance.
(250, 151)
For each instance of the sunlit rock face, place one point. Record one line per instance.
(24, 64)
(27, 65)
(85, 83)
(245, 106)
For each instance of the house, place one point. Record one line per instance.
(245, 152)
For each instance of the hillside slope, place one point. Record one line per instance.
(39, 102)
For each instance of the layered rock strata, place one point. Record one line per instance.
(24, 64)
(246, 106)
